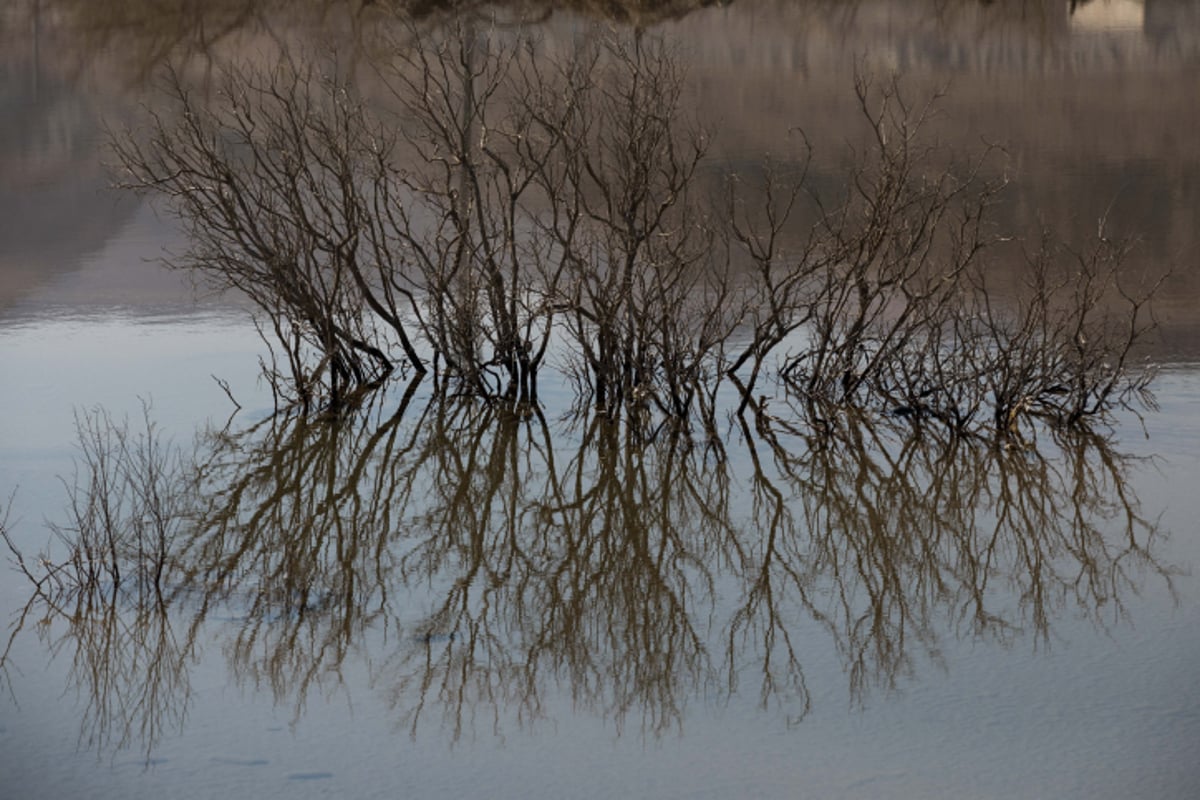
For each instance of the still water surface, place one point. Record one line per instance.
(548, 619)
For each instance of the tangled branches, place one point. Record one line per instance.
(506, 204)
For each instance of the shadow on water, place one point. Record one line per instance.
(481, 561)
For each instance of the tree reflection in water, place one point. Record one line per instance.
(478, 560)
(890, 541)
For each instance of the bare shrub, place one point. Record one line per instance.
(508, 190)
(1060, 348)
(476, 138)
(280, 183)
(887, 305)
(559, 188)
(514, 204)
(896, 251)
(1077, 324)
(646, 291)
(879, 267)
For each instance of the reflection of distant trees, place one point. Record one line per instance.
(1174, 24)
(481, 561)
(148, 33)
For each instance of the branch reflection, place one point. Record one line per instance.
(104, 605)
(482, 564)
(890, 541)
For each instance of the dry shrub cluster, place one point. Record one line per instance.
(507, 206)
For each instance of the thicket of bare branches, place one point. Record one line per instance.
(888, 303)
(282, 186)
(512, 206)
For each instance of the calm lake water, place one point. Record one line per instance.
(436, 600)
